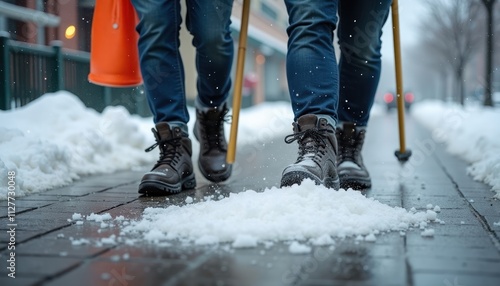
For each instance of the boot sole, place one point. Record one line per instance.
(296, 177)
(216, 177)
(158, 188)
(355, 183)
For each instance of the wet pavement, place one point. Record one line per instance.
(463, 251)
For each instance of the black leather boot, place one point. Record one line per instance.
(352, 171)
(317, 153)
(209, 131)
(174, 170)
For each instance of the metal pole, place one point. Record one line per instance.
(59, 65)
(238, 84)
(402, 154)
(40, 36)
(5, 101)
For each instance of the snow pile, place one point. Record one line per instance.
(56, 139)
(470, 133)
(309, 213)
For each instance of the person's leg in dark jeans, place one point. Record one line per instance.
(359, 33)
(313, 84)
(208, 22)
(163, 76)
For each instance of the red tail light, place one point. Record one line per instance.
(388, 97)
(409, 97)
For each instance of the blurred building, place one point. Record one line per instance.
(70, 21)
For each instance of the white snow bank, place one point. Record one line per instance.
(471, 133)
(299, 213)
(56, 139)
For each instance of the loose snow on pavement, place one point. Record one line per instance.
(308, 213)
(471, 133)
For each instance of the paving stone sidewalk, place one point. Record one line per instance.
(464, 251)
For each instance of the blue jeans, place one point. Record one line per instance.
(317, 85)
(160, 60)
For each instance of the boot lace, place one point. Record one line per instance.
(214, 129)
(169, 149)
(312, 143)
(350, 148)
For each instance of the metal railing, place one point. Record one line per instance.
(27, 71)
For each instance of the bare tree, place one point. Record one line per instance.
(430, 69)
(451, 33)
(489, 5)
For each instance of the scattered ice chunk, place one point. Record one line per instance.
(427, 233)
(268, 244)
(496, 223)
(115, 258)
(104, 225)
(371, 238)
(120, 218)
(297, 248)
(245, 241)
(403, 226)
(402, 233)
(80, 222)
(189, 200)
(60, 235)
(429, 206)
(437, 209)
(76, 216)
(462, 222)
(98, 217)
(431, 215)
(126, 256)
(109, 240)
(63, 253)
(80, 241)
(323, 240)
(471, 200)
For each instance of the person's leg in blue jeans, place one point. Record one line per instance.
(313, 84)
(314, 81)
(359, 33)
(163, 75)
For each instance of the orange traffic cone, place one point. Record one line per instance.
(114, 56)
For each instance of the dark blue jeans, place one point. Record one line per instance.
(317, 84)
(160, 60)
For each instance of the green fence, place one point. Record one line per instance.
(27, 71)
